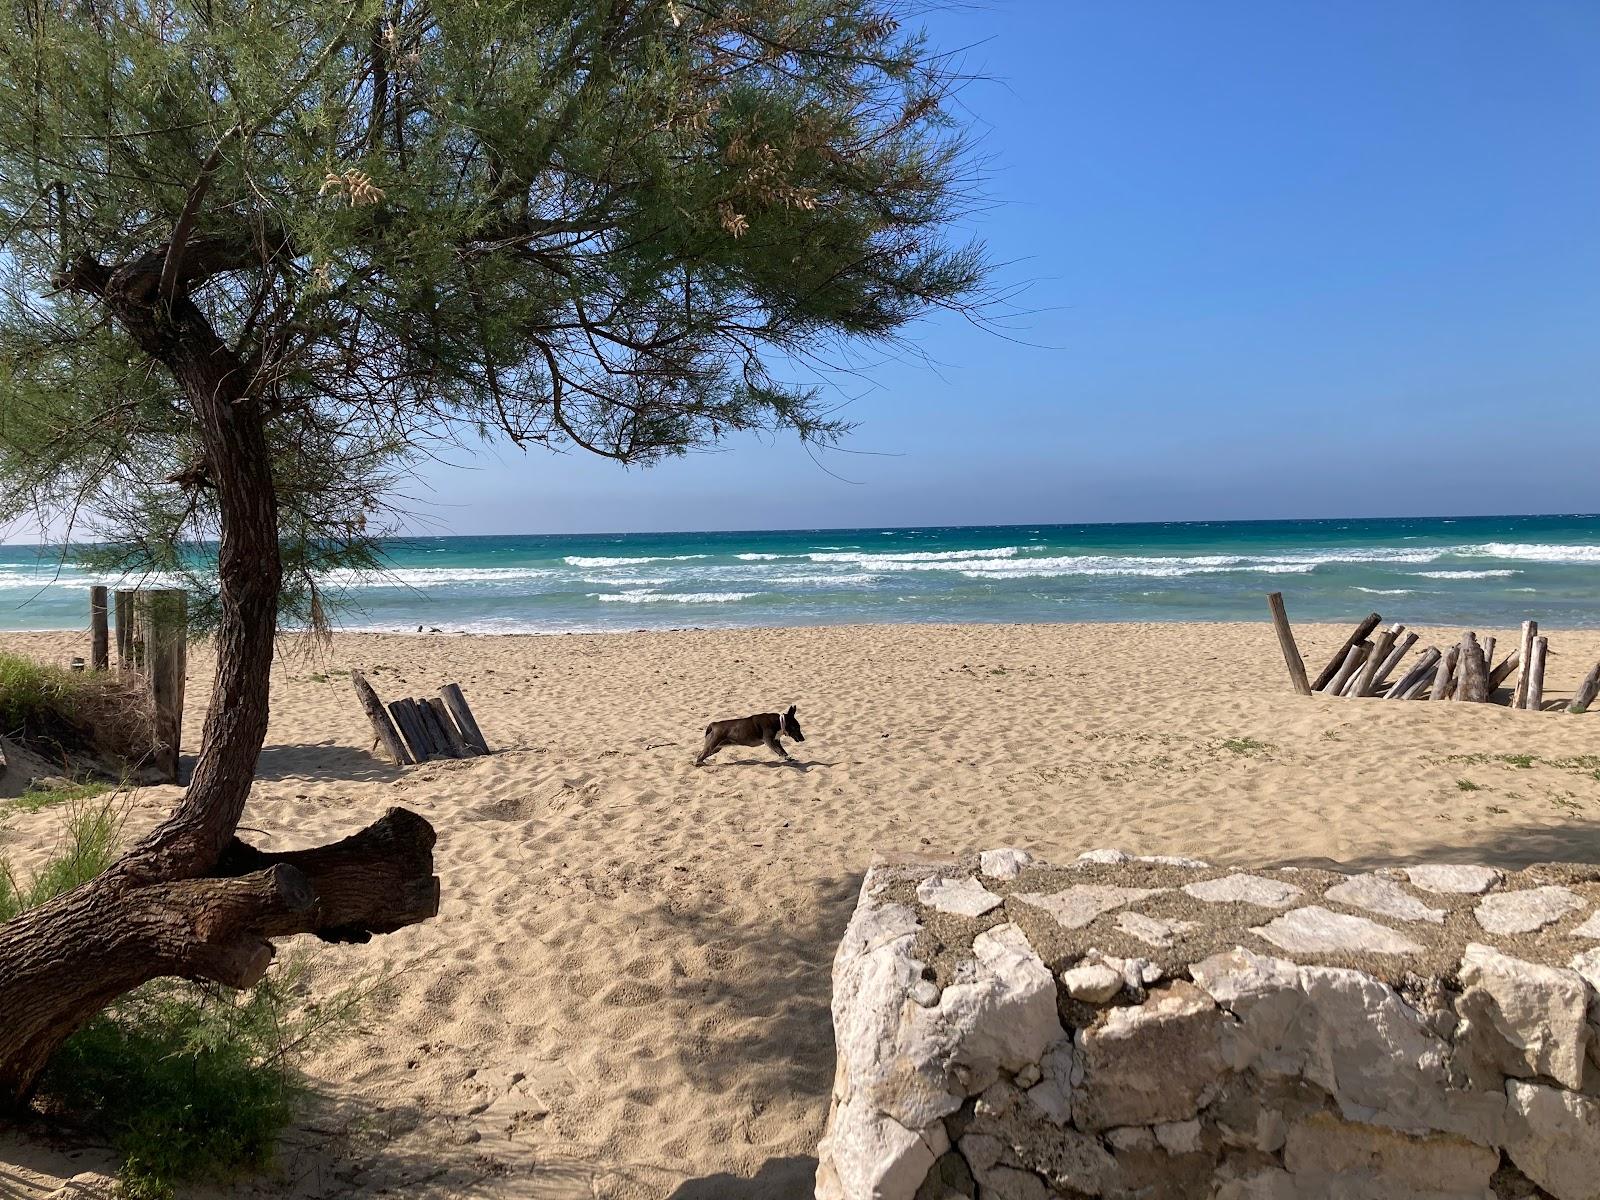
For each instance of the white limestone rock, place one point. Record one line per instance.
(1159, 932)
(1330, 1157)
(1240, 888)
(903, 1067)
(1459, 880)
(1526, 910)
(1060, 1073)
(1179, 1137)
(1172, 860)
(1108, 857)
(866, 1155)
(1554, 1139)
(1317, 930)
(1350, 1034)
(1590, 927)
(962, 897)
(1092, 982)
(1384, 897)
(1538, 1012)
(1005, 863)
(1080, 904)
(1152, 1062)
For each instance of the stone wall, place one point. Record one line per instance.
(1156, 1027)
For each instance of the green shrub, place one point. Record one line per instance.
(63, 713)
(193, 1082)
(190, 1082)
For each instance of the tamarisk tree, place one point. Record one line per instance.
(257, 255)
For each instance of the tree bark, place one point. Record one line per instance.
(189, 899)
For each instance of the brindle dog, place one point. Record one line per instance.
(763, 728)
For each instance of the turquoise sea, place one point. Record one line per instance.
(1471, 571)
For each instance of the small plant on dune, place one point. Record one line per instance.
(89, 842)
(1466, 785)
(41, 797)
(1247, 746)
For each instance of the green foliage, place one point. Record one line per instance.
(64, 713)
(88, 846)
(1247, 747)
(37, 797)
(634, 227)
(1466, 785)
(194, 1082)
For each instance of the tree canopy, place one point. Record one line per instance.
(618, 225)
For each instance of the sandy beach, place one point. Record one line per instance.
(626, 991)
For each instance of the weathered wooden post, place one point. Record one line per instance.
(1587, 692)
(457, 704)
(1530, 630)
(166, 648)
(1367, 677)
(1286, 642)
(1534, 699)
(99, 630)
(381, 724)
(1320, 683)
(124, 601)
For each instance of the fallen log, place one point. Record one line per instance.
(1340, 655)
(1286, 643)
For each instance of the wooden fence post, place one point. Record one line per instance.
(1530, 630)
(1534, 699)
(1586, 693)
(457, 704)
(381, 724)
(1286, 642)
(124, 600)
(166, 649)
(99, 630)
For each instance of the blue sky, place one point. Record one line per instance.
(1303, 259)
(1309, 259)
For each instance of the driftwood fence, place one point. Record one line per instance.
(1367, 666)
(417, 730)
(152, 628)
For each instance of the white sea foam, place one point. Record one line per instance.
(765, 557)
(916, 556)
(1552, 552)
(652, 597)
(1465, 574)
(580, 561)
(1384, 591)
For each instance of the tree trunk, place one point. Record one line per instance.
(191, 900)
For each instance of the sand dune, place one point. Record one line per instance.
(626, 991)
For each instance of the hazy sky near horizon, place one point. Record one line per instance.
(1282, 260)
